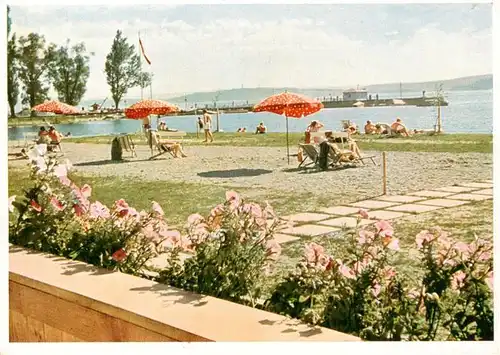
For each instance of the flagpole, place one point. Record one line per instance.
(140, 62)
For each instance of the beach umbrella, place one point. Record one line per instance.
(290, 105)
(56, 107)
(144, 108)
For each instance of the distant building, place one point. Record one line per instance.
(355, 94)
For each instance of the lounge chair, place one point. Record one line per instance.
(161, 147)
(311, 153)
(127, 144)
(340, 156)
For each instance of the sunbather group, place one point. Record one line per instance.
(396, 128)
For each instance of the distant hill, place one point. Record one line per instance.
(477, 82)
(253, 95)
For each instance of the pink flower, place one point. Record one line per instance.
(119, 255)
(376, 288)
(269, 211)
(365, 237)
(393, 244)
(98, 210)
(312, 252)
(489, 280)
(363, 213)
(86, 191)
(11, 206)
(64, 180)
(157, 208)
(194, 219)
(360, 266)
(56, 204)
(347, 272)
(79, 211)
(233, 198)
(121, 207)
(61, 171)
(273, 249)
(384, 227)
(36, 206)
(457, 280)
(423, 237)
(463, 249)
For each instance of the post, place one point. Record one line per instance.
(140, 63)
(217, 120)
(439, 119)
(384, 165)
(197, 129)
(287, 147)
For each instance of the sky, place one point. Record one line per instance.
(211, 47)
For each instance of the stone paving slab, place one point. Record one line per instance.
(488, 181)
(429, 193)
(401, 198)
(456, 189)
(310, 230)
(483, 192)
(306, 217)
(385, 215)
(443, 202)
(479, 185)
(285, 238)
(470, 197)
(340, 210)
(348, 222)
(281, 224)
(413, 208)
(373, 204)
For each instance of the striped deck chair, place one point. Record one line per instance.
(311, 154)
(161, 147)
(340, 156)
(127, 144)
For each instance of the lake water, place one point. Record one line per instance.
(468, 112)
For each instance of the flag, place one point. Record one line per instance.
(144, 54)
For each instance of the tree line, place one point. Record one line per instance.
(34, 65)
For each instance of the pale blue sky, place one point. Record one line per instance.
(205, 47)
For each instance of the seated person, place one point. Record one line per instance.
(314, 126)
(353, 147)
(55, 137)
(174, 147)
(261, 129)
(242, 130)
(21, 155)
(43, 136)
(399, 127)
(350, 127)
(370, 128)
(383, 128)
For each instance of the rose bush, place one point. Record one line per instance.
(365, 294)
(230, 249)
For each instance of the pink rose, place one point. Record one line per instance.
(384, 227)
(98, 210)
(365, 237)
(393, 244)
(86, 191)
(423, 237)
(347, 272)
(457, 280)
(273, 249)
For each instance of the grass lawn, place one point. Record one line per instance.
(481, 143)
(178, 199)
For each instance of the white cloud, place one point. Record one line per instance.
(229, 52)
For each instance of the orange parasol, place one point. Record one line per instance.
(144, 108)
(56, 107)
(291, 105)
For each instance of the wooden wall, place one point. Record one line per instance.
(58, 300)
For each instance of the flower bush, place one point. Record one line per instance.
(230, 250)
(365, 294)
(58, 217)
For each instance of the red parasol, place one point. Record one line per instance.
(144, 108)
(56, 107)
(291, 105)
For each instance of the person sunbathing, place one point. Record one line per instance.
(261, 129)
(353, 147)
(370, 128)
(383, 128)
(399, 127)
(350, 127)
(174, 147)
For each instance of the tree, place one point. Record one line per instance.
(69, 72)
(12, 75)
(35, 58)
(9, 21)
(123, 68)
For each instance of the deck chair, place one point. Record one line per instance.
(311, 153)
(339, 156)
(127, 144)
(161, 147)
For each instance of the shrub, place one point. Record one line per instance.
(230, 250)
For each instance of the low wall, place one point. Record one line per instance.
(53, 299)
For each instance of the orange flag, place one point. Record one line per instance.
(144, 54)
